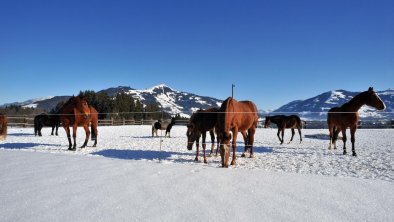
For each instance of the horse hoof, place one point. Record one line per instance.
(251, 155)
(354, 154)
(243, 155)
(72, 149)
(344, 152)
(196, 159)
(205, 161)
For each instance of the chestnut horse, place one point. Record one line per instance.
(76, 112)
(3, 127)
(44, 119)
(284, 122)
(236, 117)
(340, 118)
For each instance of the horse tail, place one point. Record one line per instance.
(335, 134)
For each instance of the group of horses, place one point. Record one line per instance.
(231, 118)
(75, 112)
(234, 117)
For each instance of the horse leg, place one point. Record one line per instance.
(53, 127)
(344, 140)
(212, 143)
(87, 131)
(336, 131)
(353, 138)
(39, 130)
(235, 132)
(292, 135)
(93, 128)
(67, 129)
(57, 127)
(251, 133)
(331, 133)
(197, 148)
(299, 132)
(283, 136)
(280, 140)
(204, 145)
(247, 144)
(75, 127)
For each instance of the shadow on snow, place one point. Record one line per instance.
(23, 145)
(137, 154)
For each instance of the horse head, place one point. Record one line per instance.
(81, 105)
(192, 135)
(373, 100)
(267, 122)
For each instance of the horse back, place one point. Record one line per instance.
(242, 115)
(338, 117)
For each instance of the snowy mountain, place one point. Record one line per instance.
(46, 103)
(171, 100)
(316, 108)
(174, 101)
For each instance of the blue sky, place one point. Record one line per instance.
(273, 51)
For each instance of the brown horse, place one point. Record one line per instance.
(3, 127)
(201, 122)
(77, 112)
(236, 117)
(340, 118)
(284, 122)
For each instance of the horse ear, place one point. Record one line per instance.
(370, 89)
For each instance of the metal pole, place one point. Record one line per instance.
(232, 90)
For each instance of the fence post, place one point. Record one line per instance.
(25, 121)
(112, 121)
(124, 122)
(392, 123)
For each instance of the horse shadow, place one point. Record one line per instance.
(21, 134)
(23, 145)
(319, 136)
(136, 154)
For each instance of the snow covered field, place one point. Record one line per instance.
(132, 176)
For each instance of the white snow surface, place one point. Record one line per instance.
(131, 176)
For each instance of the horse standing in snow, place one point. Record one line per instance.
(3, 127)
(201, 122)
(44, 119)
(167, 126)
(236, 117)
(284, 122)
(76, 112)
(340, 118)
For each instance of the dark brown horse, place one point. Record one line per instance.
(236, 117)
(201, 122)
(3, 127)
(76, 112)
(340, 118)
(43, 119)
(284, 122)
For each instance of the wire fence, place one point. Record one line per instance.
(28, 121)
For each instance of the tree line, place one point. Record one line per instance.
(122, 106)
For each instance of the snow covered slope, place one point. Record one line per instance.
(315, 108)
(174, 101)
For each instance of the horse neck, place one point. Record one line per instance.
(354, 104)
(275, 119)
